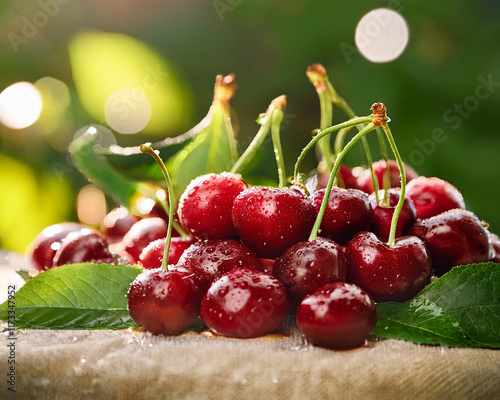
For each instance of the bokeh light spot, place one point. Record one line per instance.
(91, 205)
(127, 110)
(20, 105)
(381, 35)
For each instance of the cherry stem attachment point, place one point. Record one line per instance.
(146, 148)
(336, 166)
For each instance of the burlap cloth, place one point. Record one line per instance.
(132, 365)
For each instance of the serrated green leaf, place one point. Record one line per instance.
(418, 321)
(77, 296)
(471, 294)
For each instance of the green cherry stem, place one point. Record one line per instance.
(146, 148)
(385, 157)
(338, 160)
(340, 102)
(276, 118)
(321, 134)
(399, 206)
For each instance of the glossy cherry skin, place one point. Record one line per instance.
(365, 182)
(494, 248)
(205, 206)
(382, 216)
(348, 212)
(432, 196)
(164, 302)
(213, 258)
(320, 181)
(306, 266)
(244, 303)
(83, 246)
(455, 237)
(152, 255)
(387, 273)
(141, 234)
(147, 207)
(116, 224)
(338, 315)
(43, 248)
(271, 220)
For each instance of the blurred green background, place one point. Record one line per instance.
(78, 52)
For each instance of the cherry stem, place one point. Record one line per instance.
(248, 155)
(276, 116)
(146, 148)
(402, 174)
(321, 134)
(340, 102)
(336, 166)
(318, 77)
(383, 153)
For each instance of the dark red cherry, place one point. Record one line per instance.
(152, 255)
(271, 220)
(306, 266)
(432, 196)
(116, 224)
(213, 258)
(338, 315)
(43, 248)
(83, 246)
(348, 212)
(141, 234)
(244, 303)
(365, 182)
(388, 273)
(494, 248)
(320, 181)
(454, 237)
(205, 206)
(147, 207)
(164, 302)
(382, 216)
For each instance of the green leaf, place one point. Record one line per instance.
(418, 321)
(77, 296)
(471, 294)
(462, 304)
(212, 151)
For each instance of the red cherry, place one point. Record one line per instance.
(116, 224)
(205, 206)
(320, 181)
(210, 259)
(338, 315)
(455, 237)
(365, 182)
(43, 248)
(147, 207)
(432, 196)
(164, 302)
(388, 273)
(382, 216)
(348, 212)
(271, 220)
(494, 248)
(141, 234)
(83, 246)
(152, 255)
(244, 303)
(308, 265)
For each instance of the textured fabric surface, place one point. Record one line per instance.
(132, 365)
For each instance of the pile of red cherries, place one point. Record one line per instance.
(244, 261)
